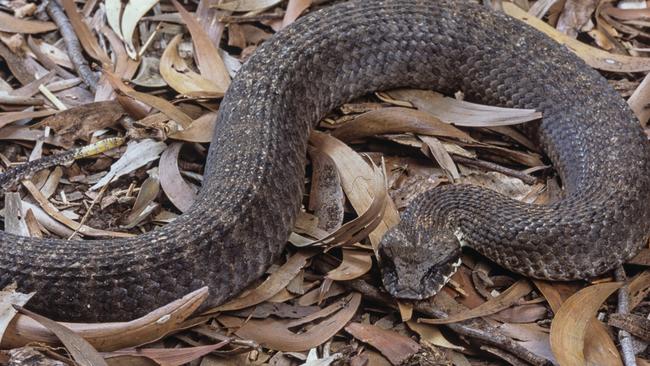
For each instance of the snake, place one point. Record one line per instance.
(252, 188)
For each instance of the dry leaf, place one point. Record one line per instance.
(638, 288)
(640, 100)
(461, 113)
(168, 356)
(133, 11)
(148, 74)
(112, 336)
(356, 177)
(431, 335)
(10, 117)
(207, 55)
(594, 57)
(179, 192)
(56, 214)
(180, 77)
(436, 150)
(326, 199)
(137, 154)
(367, 222)
(569, 325)
(9, 297)
(35, 230)
(280, 310)
(46, 221)
(320, 314)
(201, 130)
(52, 53)
(526, 313)
(354, 265)
(11, 24)
(247, 5)
(530, 336)
(82, 351)
(575, 16)
(503, 301)
(82, 121)
(14, 221)
(275, 334)
(85, 36)
(294, 9)
(162, 105)
(113, 15)
(144, 202)
(599, 349)
(396, 347)
(273, 284)
(397, 120)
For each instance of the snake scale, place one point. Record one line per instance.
(254, 175)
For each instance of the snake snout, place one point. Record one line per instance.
(409, 294)
(417, 267)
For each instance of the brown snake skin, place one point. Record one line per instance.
(254, 177)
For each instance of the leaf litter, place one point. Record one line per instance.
(162, 67)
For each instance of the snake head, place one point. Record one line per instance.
(417, 265)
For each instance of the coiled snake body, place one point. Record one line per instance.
(254, 175)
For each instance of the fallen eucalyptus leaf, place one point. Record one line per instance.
(594, 57)
(179, 192)
(570, 324)
(137, 154)
(396, 347)
(112, 336)
(82, 351)
(504, 300)
(273, 284)
(275, 334)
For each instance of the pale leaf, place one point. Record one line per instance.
(138, 154)
(179, 192)
(180, 77)
(594, 57)
(112, 336)
(133, 11)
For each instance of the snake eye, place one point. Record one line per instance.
(386, 257)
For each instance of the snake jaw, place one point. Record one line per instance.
(416, 267)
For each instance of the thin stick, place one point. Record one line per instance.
(528, 179)
(92, 204)
(72, 44)
(623, 307)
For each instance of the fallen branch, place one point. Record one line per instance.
(72, 44)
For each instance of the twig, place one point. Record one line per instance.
(489, 335)
(92, 204)
(636, 325)
(528, 179)
(72, 44)
(20, 101)
(623, 307)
